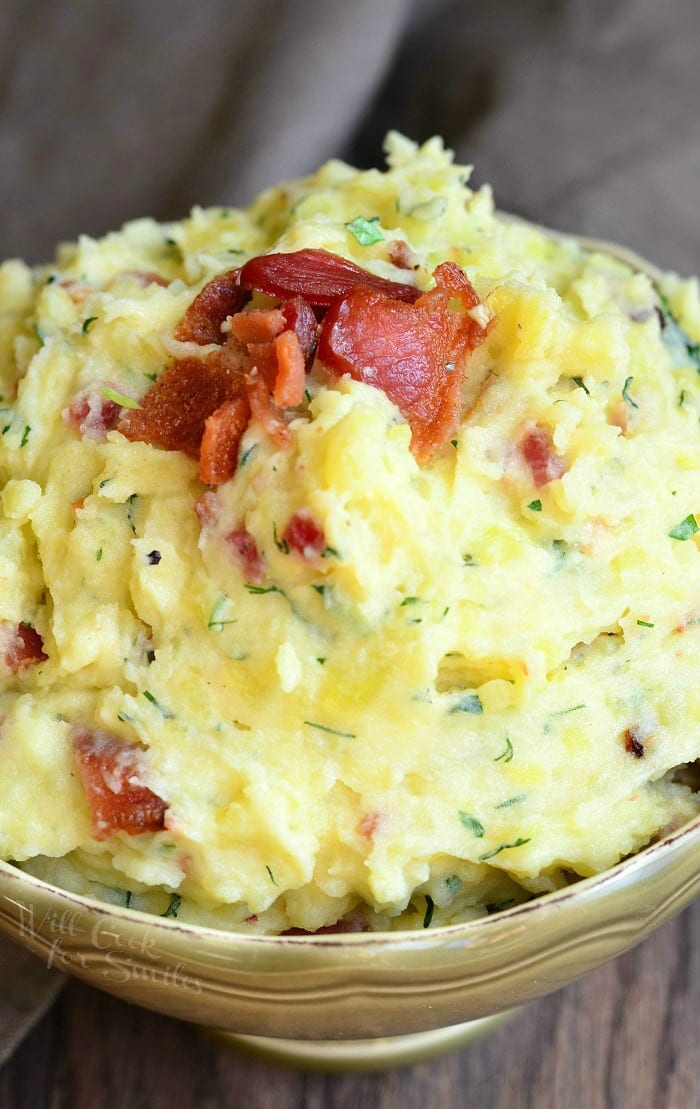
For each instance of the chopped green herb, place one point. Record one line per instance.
(173, 907)
(579, 381)
(681, 398)
(453, 882)
(565, 712)
(87, 324)
(156, 704)
(242, 461)
(365, 230)
(98, 556)
(498, 906)
(38, 332)
(321, 661)
(329, 552)
(6, 429)
(127, 899)
(308, 396)
(281, 544)
(411, 601)
(51, 278)
(503, 847)
(150, 656)
(119, 398)
(259, 589)
(468, 560)
(125, 718)
(469, 702)
(512, 801)
(105, 481)
(271, 875)
(331, 731)
(25, 435)
(685, 529)
(626, 393)
(644, 624)
(131, 508)
(454, 443)
(472, 824)
(507, 755)
(535, 506)
(320, 589)
(216, 622)
(681, 347)
(151, 377)
(429, 909)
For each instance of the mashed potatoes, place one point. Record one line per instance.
(355, 677)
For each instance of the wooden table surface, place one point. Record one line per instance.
(625, 1036)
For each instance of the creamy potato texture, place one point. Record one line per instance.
(485, 681)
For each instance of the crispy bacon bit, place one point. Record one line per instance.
(416, 353)
(223, 431)
(220, 298)
(634, 743)
(299, 318)
(21, 646)
(266, 411)
(174, 410)
(401, 255)
(305, 536)
(208, 509)
(258, 326)
(355, 921)
(318, 276)
(111, 772)
(291, 371)
(538, 451)
(91, 413)
(247, 556)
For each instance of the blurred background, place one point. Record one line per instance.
(582, 113)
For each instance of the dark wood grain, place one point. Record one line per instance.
(625, 1037)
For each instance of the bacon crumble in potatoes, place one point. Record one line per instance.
(350, 557)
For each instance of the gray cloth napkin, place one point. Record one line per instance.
(27, 989)
(582, 113)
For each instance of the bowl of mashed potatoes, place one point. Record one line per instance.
(350, 604)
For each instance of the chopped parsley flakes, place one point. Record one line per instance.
(685, 530)
(472, 824)
(365, 230)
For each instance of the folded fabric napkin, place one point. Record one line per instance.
(27, 989)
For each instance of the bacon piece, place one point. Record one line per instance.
(220, 298)
(265, 411)
(291, 371)
(111, 772)
(245, 551)
(77, 290)
(299, 317)
(634, 742)
(416, 353)
(223, 430)
(91, 413)
(208, 509)
(317, 275)
(538, 451)
(174, 410)
(258, 326)
(21, 646)
(401, 255)
(305, 536)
